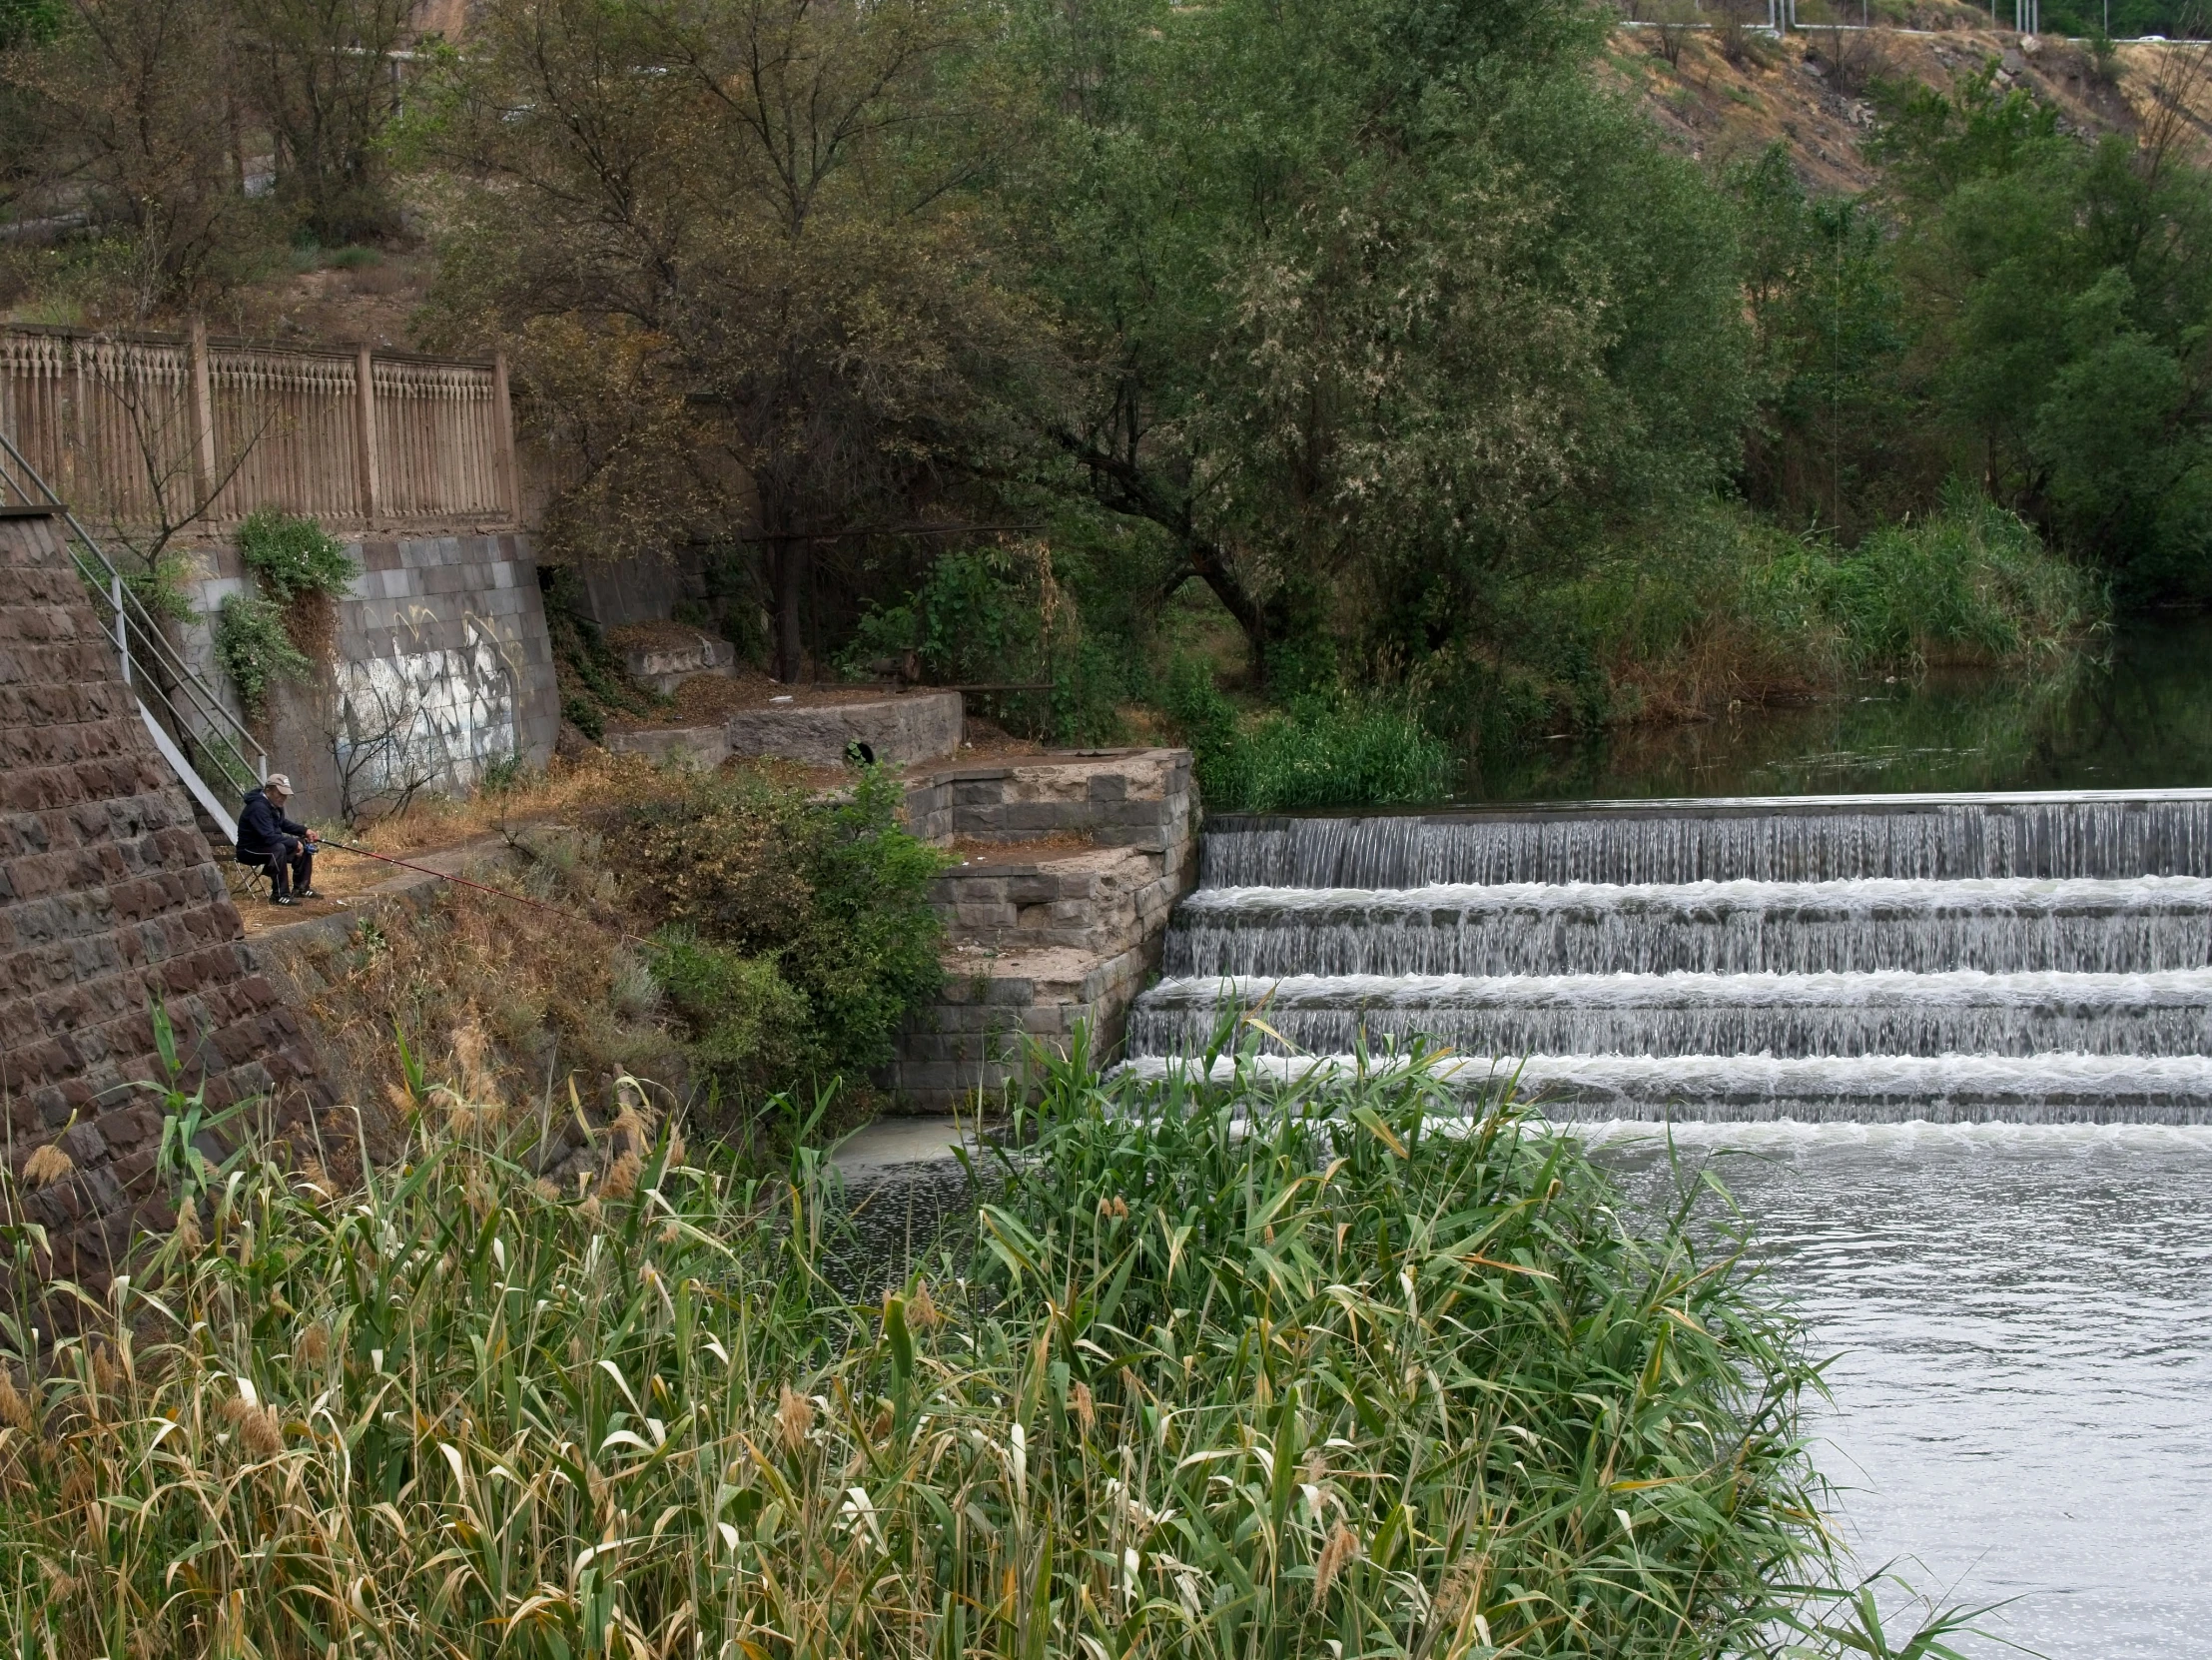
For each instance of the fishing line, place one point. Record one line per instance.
(496, 893)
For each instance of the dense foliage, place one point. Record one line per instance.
(255, 648)
(1255, 1369)
(792, 934)
(293, 557)
(1394, 330)
(1383, 343)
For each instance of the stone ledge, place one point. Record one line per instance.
(699, 746)
(905, 731)
(667, 662)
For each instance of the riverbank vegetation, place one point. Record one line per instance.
(732, 935)
(1256, 1368)
(1479, 418)
(1388, 362)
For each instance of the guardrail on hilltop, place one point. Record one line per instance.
(153, 432)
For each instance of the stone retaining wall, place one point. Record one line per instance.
(1115, 797)
(1044, 939)
(109, 901)
(444, 667)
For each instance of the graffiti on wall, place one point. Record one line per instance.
(426, 715)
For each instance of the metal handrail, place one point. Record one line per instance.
(148, 657)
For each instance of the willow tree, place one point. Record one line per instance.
(734, 249)
(1375, 297)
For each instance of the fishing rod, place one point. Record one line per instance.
(481, 887)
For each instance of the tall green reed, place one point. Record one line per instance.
(1228, 1369)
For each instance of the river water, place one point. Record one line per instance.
(2139, 717)
(2020, 1325)
(2020, 1317)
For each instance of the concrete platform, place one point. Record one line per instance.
(902, 729)
(890, 1147)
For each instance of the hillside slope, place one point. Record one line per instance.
(1809, 89)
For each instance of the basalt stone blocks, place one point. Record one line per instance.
(109, 903)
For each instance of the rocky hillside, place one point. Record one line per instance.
(1724, 98)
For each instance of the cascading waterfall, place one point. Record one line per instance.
(2041, 958)
(1789, 839)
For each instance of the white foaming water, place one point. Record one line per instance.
(1864, 1088)
(1800, 1016)
(1959, 988)
(1802, 838)
(1995, 925)
(1859, 896)
(2022, 1389)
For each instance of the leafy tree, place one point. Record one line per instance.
(2057, 291)
(148, 121)
(735, 250)
(1834, 442)
(1373, 299)
(128, 120)
(321, 76)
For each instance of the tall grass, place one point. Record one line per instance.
(1727, 610)
(1334, 749)
(1970, 582)
(1233, 1370)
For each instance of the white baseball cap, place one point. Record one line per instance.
(278, 782)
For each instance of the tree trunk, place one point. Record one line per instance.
(792, 558)
(1214, 569)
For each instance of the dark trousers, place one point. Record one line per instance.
(289, 868)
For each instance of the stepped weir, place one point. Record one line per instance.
(2035, 958)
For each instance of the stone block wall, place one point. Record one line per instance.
(970, 1041)
(444, 667)
(1115, 798)
(109, 901)
(1048, 937)
(900, 728)
(1104, 900)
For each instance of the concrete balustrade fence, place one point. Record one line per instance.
(152, 431)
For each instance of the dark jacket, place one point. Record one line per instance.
(261, 829)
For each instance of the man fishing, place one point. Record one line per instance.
(283, 846)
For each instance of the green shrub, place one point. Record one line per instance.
(251, 644)
(1713, 606)
(291, 556)
(999, 618)
(748, 1028)
(835, 895)
(1970, 582)
(160, 589)
(1340, 749)
(1206, 719)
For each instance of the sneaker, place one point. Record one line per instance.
(282, 899)
(307, 893)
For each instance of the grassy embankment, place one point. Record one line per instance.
(730, 935)
(1319, 1379)
(1728, 611)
